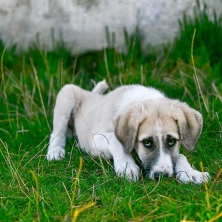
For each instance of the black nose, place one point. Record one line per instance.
(157, 175)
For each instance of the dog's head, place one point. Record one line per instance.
(156, 129)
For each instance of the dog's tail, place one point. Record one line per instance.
(100, 87)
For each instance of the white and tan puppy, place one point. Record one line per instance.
(130, 117)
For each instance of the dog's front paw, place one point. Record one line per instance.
(55, 153)
(193, 176)
(130, 171)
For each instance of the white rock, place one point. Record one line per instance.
(82, 23)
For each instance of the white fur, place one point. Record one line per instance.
(124, 164)
(101, 87)
(135, 93)
(93, 118)
(164, 162)
(185, 173)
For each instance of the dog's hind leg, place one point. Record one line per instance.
(100, 87)
(67, 104)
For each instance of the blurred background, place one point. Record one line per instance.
(83, 25)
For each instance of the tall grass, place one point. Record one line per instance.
(76, 188)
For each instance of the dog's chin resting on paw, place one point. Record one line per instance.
(129, 118)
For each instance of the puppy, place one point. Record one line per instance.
(130, 117)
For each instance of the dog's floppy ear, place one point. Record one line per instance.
(190, 124)
(126, 124)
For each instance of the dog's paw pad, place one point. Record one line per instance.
(55, 154)
(193, 176)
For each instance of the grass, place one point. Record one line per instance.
(78, 188)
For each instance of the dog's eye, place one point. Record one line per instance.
(148, 143)
(171, 141)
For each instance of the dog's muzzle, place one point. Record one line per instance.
(158, 175)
